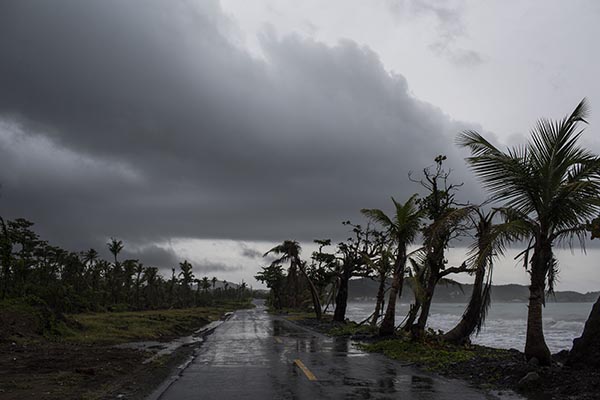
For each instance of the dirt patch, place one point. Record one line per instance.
(75, 357)
(63, 371)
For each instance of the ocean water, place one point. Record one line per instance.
(505, 325)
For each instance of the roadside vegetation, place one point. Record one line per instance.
(62, 312)
(541, 194)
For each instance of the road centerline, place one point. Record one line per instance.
(304, 368)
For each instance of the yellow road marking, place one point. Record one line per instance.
(309, 375)
(278, 340)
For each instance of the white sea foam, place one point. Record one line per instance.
(506, 324)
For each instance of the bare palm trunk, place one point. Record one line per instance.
(535, 345)
(471, 319)
(419, 329)
(330, 297)
(313, 291)
(341, 299)
(292, 288)
(413, 312)
(388, 325)
(380, 299)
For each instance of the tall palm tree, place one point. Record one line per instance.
(553, 184)
(115, 246)
(289, 250)
(403, 228)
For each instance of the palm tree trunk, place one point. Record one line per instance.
(412, 316)
(292, 288)
(419, 331)
(535, 345)
(461, 333)
(380, 299)
(388, 325)
(341, 299)
(313, 291)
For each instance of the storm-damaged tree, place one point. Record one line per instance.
(446, 222)
(127, 278)
(172, 287)
(273, 276)
(323, 270)
(553, 184)
(115, 246)
(139, 280)
(402, 229)
(490, 242)
(381, 268)
(353, 257)
(187, 277)
(289, 250)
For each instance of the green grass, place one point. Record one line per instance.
(433, 356)
(128, 326)
(352, 328)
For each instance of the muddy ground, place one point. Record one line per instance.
(47, 370)
(45, 356)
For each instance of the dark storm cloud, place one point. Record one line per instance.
(142, 120)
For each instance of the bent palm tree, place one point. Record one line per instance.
(553, 184)
(491, 241)
(403, 229)
(290, 251)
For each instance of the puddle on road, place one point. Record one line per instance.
(166, 348)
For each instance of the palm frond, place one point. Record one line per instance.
(377, 215)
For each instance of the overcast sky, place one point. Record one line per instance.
(212, 130)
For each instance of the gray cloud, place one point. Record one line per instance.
(208, 266)
(146, 123)
(250, 252)
(448, 16)
(152, 255)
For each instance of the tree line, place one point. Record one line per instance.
(82, 281)
(541, 194)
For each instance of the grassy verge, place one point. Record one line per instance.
(49, 356)
(129, 326)
(433, 355)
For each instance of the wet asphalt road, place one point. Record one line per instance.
(253, 356)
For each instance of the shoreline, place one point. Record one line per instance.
(486, 368)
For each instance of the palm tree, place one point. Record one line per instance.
(115, 246)
(553, 184)
(491, 241)
(290, 251)
(403, 228)
(205, 284)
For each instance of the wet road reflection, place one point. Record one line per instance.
(254, 355)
